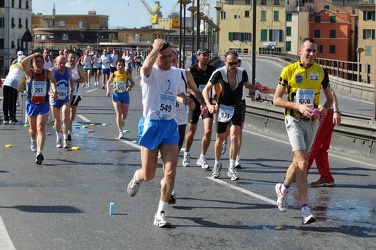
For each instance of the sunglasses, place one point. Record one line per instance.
(232, 63)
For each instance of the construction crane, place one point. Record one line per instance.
(155, 12)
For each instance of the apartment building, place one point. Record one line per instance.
(15, 23)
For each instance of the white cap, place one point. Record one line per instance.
(19, 53)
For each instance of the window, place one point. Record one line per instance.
(316, 33)
(80, 24)
(245, 51)
(20, 4)
(320, 49)
(239, 36)
(263, 2)
(276, 2)
(332, 49)
(223, 15)
(230, 2)
(42, 37)
(236, 16)
(13, 24)
(13, 7)
(288, 17)
(368, 34)
(326, 7)
(263, 16)
(51, 37)
(26, 23)
(2, 42)
(64, 37)
(2, 3)
(264, 35)
(276, 16)
(19, 23)
(248, 2)
(246, 13)
(275, 35)
(288, 45)
(51, 23)
(288, 31)
(332, 34)
(332, 19)
(317, 19)
(27, 5)
(61, 23)
(13, 45)
(369, 16)
(368, 51)
(2, 22)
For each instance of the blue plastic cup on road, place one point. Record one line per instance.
(111, 212)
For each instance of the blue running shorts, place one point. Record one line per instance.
(37, 109)
(106, 71)
(158, 132)
(123, 98)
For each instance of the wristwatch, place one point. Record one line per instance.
(338, 112)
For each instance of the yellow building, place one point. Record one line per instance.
(235, 20)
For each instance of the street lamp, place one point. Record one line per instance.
(98, 41)
(193, 9)
(183, 3)
(359, 50)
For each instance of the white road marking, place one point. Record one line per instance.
(257, 196)
(5, 241)
(91, 90)
(83, 118)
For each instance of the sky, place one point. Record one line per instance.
(122, 13)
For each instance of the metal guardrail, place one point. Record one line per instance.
(356, 135)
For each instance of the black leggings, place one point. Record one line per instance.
(9, 103)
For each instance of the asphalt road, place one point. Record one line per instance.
(64, 203)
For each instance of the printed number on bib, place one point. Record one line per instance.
(225, 113)
(62, 92)
(38, 92)
(166, 106)
(305, 96)
(120, 87)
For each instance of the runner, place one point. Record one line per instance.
(160, 86)
(105, 60)
(120, 93)
(78, 76)
(37, 107)
(86, 62)
(64, 91)
(96, 68)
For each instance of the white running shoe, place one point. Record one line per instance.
(217, 170)
(307, 217)
(186, 159)
(160, 220)
(58, 143)
(133, 186)
(232, 174)
(121, 135)
(33, 145)
(282, 198)
(203, 164)
(65, 143)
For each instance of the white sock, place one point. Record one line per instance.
(65, 136)
(39, 152)
(232, 163)
(217, 162)
(162, 207)
(202, 156)
(58, 135)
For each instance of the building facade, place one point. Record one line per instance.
(15, 23)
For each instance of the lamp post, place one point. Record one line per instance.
(359, 50)
(183, 4)
(98, 41)
(193, 9)
(205, 19)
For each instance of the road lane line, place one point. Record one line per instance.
(5, 241)
(257, 196)
(91, 90)
(83, 118)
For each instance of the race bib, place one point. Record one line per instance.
(305, 96)
(225, 113)
(120, 87)
(62, 92)
(201, 87)
(38, 92)
(166, 106)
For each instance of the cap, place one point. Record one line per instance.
(202, 51)
(51, 54)
(20, 53)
